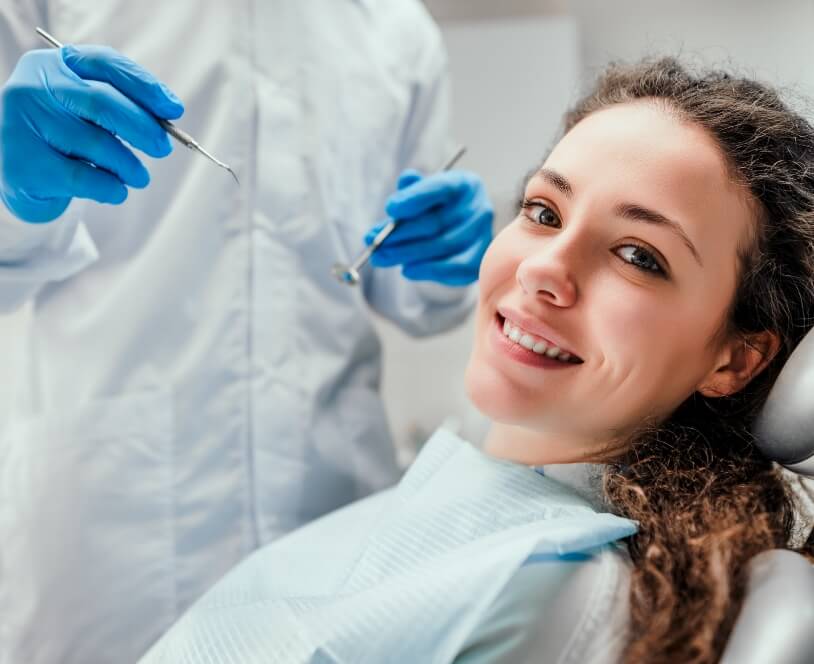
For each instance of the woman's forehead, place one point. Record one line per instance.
(643, 145)
(643, 136)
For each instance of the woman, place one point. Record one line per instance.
(634, 314)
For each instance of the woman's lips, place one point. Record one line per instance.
(518, 353)
(529, 324)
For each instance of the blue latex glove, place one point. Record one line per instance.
(61, 111)
(445, 226)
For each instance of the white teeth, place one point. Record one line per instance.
(538, 346)
(527, 341)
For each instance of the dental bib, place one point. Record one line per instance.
(402, 576)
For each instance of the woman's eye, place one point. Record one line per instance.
(640, 258)
(540, 213)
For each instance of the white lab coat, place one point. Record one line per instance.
(196, 383)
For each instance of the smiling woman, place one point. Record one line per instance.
(633, 316)
(667, 241)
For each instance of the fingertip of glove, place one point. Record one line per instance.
(141, 178)
(68, 52)
(394, 205)
(162, 147)
(171, 106)
(171, 110)
(117, 195)
(408, 177)
(373, 232)
(169, 94)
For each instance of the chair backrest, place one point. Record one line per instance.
(785, 427)
(776, 623)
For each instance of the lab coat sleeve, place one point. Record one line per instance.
(31, 255)
(423, 308)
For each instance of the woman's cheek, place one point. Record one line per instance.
(499, 262)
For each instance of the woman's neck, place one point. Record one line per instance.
(534, 448)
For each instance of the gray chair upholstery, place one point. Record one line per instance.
(776, 623)
(785, 428)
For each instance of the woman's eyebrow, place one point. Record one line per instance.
(630, 211)
(634, 212)
(557, 180)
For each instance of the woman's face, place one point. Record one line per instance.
(625, 256)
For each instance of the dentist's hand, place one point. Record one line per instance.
(62, 113)
(445, 226)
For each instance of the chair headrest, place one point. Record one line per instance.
(785, 426)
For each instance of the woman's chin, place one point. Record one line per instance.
(493, 396)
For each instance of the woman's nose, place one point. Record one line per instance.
(547, 275)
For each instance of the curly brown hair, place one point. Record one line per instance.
(705, 498)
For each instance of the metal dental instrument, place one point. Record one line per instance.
(179, 135)
(349, 274)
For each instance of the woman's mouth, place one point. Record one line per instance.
(530, 349)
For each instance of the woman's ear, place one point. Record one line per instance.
(740, 360)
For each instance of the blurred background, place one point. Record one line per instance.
(515, 66)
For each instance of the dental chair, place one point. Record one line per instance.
(776, 623)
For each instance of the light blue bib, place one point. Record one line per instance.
(403, 576)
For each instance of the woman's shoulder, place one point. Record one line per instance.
(565, 609)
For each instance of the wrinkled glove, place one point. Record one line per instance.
(444, 227)
(61, 112)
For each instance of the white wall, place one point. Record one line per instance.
(771, 40)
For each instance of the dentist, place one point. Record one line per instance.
(196, 382)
